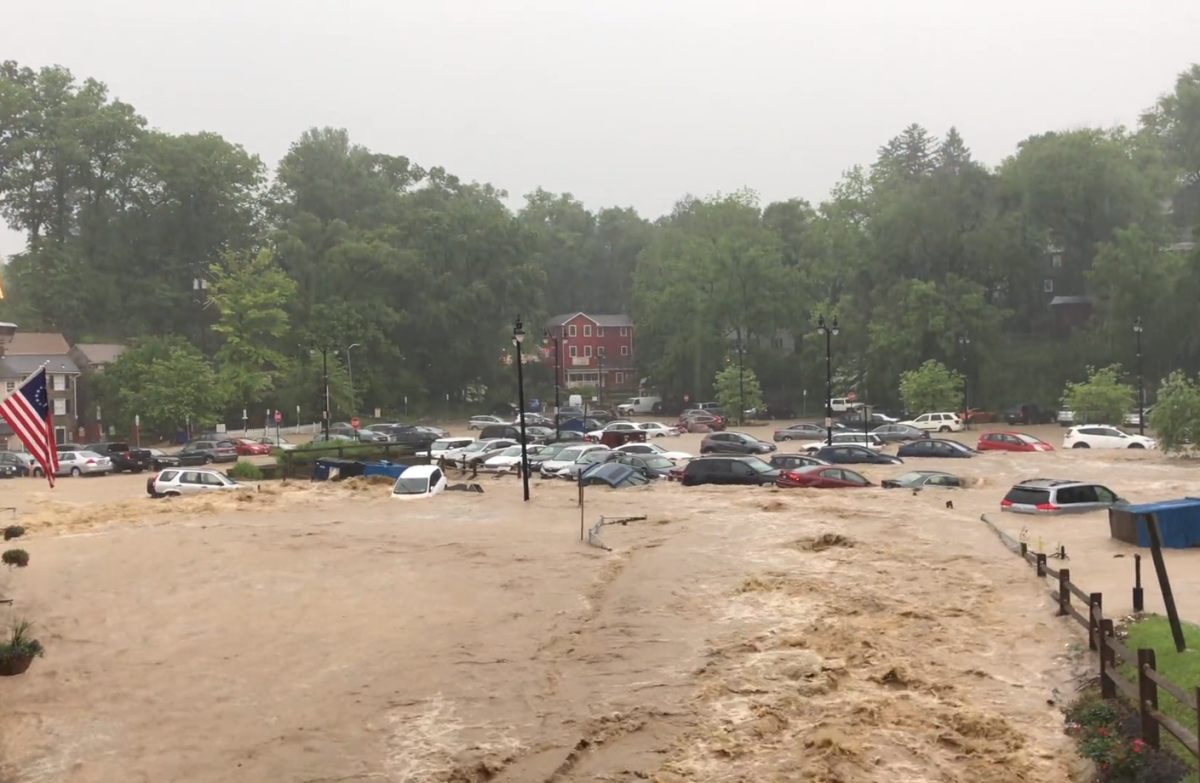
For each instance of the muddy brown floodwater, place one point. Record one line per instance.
(325, 632)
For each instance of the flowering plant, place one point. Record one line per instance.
(1097, 728)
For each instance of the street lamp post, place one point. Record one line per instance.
(350, 372)
(325, 384)
(1137, 335)
(829, 330)
(964, 340)
(517, 338)
(556, 340)
(741, 381)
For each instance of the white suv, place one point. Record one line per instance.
(174, 482)
(1102, 436)
(937, 422)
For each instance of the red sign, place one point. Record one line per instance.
(278, 417)
(686, 398)
(354, 422)
(852, 396)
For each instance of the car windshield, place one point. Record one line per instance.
(551, 450)
(908, 477)
(658, 462)
(511, 451)
(1028, 439)
(479, 445)
(443, 444)
(416, 485)
(758, 466)
(593, 456)
(570, 455)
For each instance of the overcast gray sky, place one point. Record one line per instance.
(620, 102)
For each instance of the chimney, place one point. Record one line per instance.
(7, 333)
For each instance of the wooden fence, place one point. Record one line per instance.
(1102, 638)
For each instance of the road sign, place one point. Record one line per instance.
(137, 420)
(852, 396)
(354, 422)
(378, 413)
(278, 417)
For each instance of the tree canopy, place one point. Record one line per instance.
(1045, 258)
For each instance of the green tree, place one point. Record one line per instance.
(931, 387)
(165, 381)
(1102, 399)
(250, 294)
(1176, 414)
(738, 392)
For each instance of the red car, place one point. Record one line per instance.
(1011, 441)
(821, 477)
(248, 448)
(702, 423)
(978, 416)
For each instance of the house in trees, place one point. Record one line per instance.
(21, 354)
(91, 359)
(597, 351)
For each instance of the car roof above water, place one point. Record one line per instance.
(1049, 483)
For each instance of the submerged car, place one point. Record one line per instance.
(174, 482)
(821, 477)
(419, 481)
(935, 447)
(612, 474)
(1059, 496)
(919, 479)
(852, 455)
(1011, 441)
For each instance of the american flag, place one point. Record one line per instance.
(27, 411)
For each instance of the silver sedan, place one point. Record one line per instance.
(82, 463)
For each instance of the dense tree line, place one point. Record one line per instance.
(188, 245)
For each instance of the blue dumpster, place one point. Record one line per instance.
(1178, 520)
(384, 468)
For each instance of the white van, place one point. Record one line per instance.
(639, 406)
(575, 401)
(844, 404)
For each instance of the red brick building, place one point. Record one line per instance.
(597, 351)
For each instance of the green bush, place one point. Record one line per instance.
(1176, 417)
(1102, 399)
(247, 471)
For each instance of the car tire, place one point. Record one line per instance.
(943, 428)
(786, 437)
(170, 494)
(1081, 446)
(208, 460)
(1136, 446)
(76, 472)
(37, 473)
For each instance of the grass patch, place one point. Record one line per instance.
(1183, 669)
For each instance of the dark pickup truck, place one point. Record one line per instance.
(123, 456)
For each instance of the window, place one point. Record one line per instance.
(10, 387)
(599, 350)
(624, 331)
(60, 406)
(587, 330)
(587, 350)
(1056, 262)
(777, 342)
(60, 382)
(620, 378)
(1105, 495)
(1048, 286)
(571, 331)
(599, 331)
(624, 350)
(572, 348)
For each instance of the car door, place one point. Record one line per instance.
(854, 479)
(830, 477)
(741, 473)
(190, 482)
(943, 481)
(1106, 498)
(1078, 499)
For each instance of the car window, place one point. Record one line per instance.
(168, 475)
(211, 480)
(435, 477)
(740, 469)
(66, 456)
(1030, 496)
(1111, 433)
(1105, 495)
(831, 473)
(190, 477)
(854, 478)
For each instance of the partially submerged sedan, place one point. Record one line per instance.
(919, 479)
(822, 477)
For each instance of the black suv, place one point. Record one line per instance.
(1029, 414)
(123, 456)
(750, 471)
(734, 443)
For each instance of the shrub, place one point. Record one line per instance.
(1101, 736)
(19, 645)
(1176, 415)
(15, 558)
(1102, 398)
(931, 387)
(13, 531)
(246, 471)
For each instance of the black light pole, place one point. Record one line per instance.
(1137, 333)
(964, 340)
(829, 331)
(555, 339)
(325, 387)
(518, 338)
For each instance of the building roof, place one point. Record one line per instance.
(100, 353)
(599, 320)
(17, 368)
(37, 344)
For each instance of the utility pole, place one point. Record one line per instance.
(1137, 333)
(829, 330)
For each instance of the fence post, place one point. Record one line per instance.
(1147, 697)
(1138, 598)
(1094, 602)
(1108, 689)
(1064, 592)
(1041, 563)
(1024, 549)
